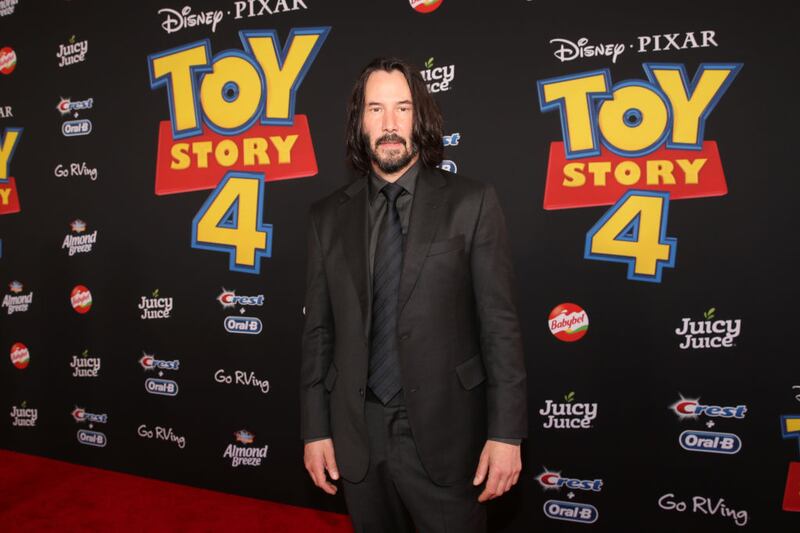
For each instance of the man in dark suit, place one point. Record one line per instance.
(413, 385)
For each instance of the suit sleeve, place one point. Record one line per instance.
(501, 341)
(317, 346)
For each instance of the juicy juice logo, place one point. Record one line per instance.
(635, 144)
(246, 98)
(708, 333)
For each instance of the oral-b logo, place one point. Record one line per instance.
(571, 511)
(74, 128)
(243, 324)
(710, 442)
(92, 438)
(164, 387)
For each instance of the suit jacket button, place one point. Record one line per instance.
(414, 389)
(404, 336)
(361, 392)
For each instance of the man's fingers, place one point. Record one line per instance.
(493, 487)
(319, 455)
(330, 462)
(483, 467)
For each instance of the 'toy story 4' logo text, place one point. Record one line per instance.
(9, 199)
(232, 127)
(635, 144)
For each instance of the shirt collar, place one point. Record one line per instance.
(407, 181)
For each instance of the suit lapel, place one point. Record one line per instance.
(426, 213)
(354, 230)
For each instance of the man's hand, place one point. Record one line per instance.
(503, 463)
(318, 457)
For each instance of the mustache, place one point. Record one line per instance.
(390, 138)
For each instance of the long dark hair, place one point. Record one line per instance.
(427, 129)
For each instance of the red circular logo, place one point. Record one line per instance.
(81, 299)
(425, 6)
(568, 322)
(20, 355)
(8, 60)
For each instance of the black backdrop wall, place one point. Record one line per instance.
(152, 309)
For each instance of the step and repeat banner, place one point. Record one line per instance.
(157, 163)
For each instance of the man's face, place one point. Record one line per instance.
(388, 120)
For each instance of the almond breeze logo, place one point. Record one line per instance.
(79, 242)
(438, 79)
(245, 455)
(568, 414)
(16, 302)
(708, 333)
(155, 307)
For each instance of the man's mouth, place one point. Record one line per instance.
(391, 143)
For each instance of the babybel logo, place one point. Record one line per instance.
(8, 60)
(425, 6)
(20, 356)
(568, 322)
(81, 299)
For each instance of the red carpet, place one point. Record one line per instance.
(38, 494)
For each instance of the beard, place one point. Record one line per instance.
(394, 160)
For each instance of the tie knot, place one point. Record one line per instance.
(392, 191)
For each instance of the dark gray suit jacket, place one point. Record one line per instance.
(459, 342)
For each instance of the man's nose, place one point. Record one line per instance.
(389, 122)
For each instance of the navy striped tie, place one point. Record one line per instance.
(384, 362)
